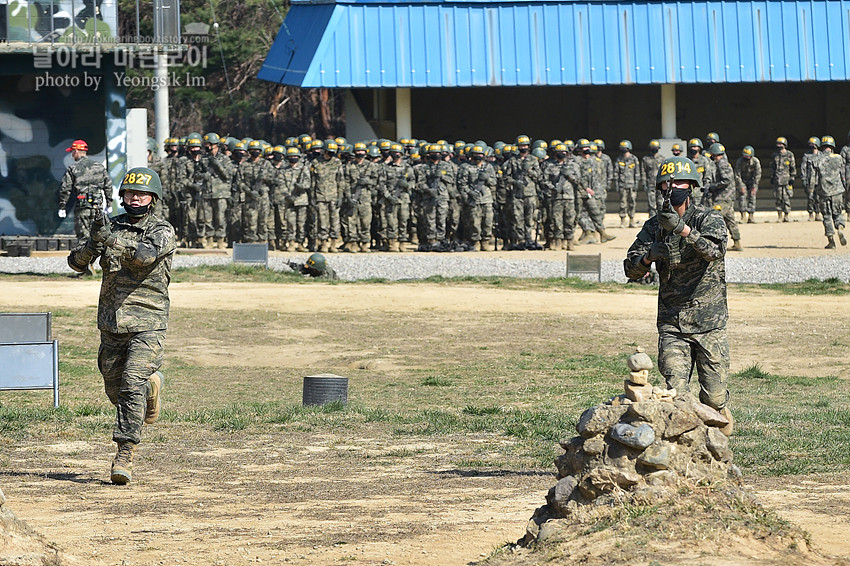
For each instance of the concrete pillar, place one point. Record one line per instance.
(403, 114)
(668, 111)
(160, 102)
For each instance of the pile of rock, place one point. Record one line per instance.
(22, 546)
(646, 443)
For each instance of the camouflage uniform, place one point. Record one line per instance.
(155, 163)
(523, 173)
(221, 171)
(692, 311)
(254, 179)
(747, 177)
(455, 207)
(626, 181)
(192, 186)
(783, 168)
(291, 189)
(504, 212)
(91, 186)
(394, 185)
(591, 216)
(845, 154)
(808, 174)
(476, 185)
(132, 313)
(831, 184)
(326, 195)
(720, 194)
(172, 173)
(562, 181)
(433, 185)
(361, 179)
(649, 165)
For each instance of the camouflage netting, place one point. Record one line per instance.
(643, 445)
(21, 546)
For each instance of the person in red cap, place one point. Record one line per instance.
(88, 183)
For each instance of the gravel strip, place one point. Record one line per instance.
(396, 267)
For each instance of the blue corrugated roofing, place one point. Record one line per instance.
(380, 43)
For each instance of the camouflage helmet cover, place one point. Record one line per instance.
(143, 180)
(678, 167)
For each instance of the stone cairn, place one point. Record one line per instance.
(645, 443)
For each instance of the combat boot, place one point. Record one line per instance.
(743, 217)
(584, 238)
(605, 236)
(831, 244)
(779, 214)
(811, 216)
(841, 238)
(154, 403)
(486, 245)
(272, 246)
(737, 247)
(632, 222)
(750, 219)
(556, 244)
(569, 245)
(299, 247)
(122, 465)
(785, 217)
(323, 246)
(364, 247)
(623, 222)
(476, 246)
(392, 245)
(332, 246)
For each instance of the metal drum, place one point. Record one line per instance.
(325, 388)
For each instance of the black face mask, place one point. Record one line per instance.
(137, 211)
(679, 196)
(293, 159)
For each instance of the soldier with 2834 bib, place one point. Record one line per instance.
(687, 243)
(135, 250)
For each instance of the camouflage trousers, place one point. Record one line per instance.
(812, 200)
(563, 219)
(679, 354)
(591, 216)
(524, 217)
(83, 219)
(782, 196)
(453, 218)
(628, 202)
(234, 222)
(126, 361)
(212, 218)
(747, 199)
(256, 214)
(652, 199)
(296, 223)
(832, 209)
(327, 220)
(188, 228)
(360, 223)
(395, 220)
(727, 210)
(434, 212)
(478, 221)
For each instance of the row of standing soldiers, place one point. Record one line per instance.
(329, 195)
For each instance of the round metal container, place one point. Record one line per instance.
(325, 388)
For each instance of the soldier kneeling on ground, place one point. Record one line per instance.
(316, 266)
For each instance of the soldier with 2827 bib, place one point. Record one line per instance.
(135, 250)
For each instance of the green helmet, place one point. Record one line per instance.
(143, 180)
(374, 151)
(193, 142)
(316, 262)
(539, 143)
(677, 168)
(695, 142)
(599, 143)
(231, 143)
(815, 141)
(748, 151)
(712, 137)
(152, 145)
(782, 141)
(194, 135)
(717, 148)
(212, 138)
(522, 139)
(828, 141)
(539, 153)
(625, 145)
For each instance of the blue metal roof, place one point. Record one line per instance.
(394, 43)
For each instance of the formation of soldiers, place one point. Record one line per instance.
(331, 195)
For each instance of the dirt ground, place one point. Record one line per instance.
(295, 501)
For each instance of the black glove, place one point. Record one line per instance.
(101, 230)
(657, 251)
(671, 222)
